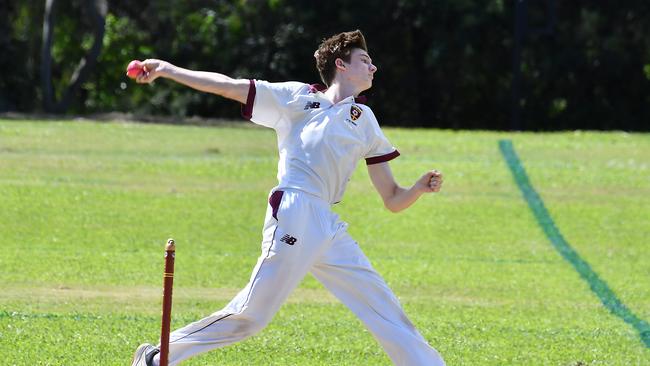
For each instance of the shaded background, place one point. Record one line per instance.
(442, 63)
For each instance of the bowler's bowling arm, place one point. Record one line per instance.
(209, 82)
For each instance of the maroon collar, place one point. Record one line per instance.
(313, 88)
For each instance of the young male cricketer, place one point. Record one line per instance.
(322, 133)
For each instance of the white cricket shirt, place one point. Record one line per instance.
(320, 143)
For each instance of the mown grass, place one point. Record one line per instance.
(87, 208)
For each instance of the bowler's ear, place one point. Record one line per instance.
(339, 64)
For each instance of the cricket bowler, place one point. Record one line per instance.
(322, 133)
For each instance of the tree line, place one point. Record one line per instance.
(458, 64)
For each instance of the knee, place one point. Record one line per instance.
(249, 326)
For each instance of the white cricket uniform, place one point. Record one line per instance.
(320, 144)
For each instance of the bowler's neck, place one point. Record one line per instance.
(338, 91)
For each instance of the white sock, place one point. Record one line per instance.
(156, 360)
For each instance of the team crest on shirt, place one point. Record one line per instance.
(355, 112)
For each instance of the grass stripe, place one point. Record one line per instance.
(597, 285)
(74, 316)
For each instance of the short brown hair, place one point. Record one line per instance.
(337, 46)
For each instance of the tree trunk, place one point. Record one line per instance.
(97, 10)
(46, 57)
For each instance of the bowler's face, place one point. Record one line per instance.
(360, 70)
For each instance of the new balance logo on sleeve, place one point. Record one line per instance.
(289, 239)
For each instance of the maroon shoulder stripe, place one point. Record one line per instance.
(247, 109)
(382, 158)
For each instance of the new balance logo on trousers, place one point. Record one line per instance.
(289, 239)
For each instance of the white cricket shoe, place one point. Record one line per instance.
(144, 355)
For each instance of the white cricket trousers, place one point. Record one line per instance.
(301, 235)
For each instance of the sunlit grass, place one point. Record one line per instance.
(87, 208)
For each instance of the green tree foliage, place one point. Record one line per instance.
(442, 63)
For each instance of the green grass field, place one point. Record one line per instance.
(87, 208)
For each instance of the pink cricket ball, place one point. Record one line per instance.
(134, 69)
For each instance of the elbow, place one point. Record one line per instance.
(391, 201)
(392, 208)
